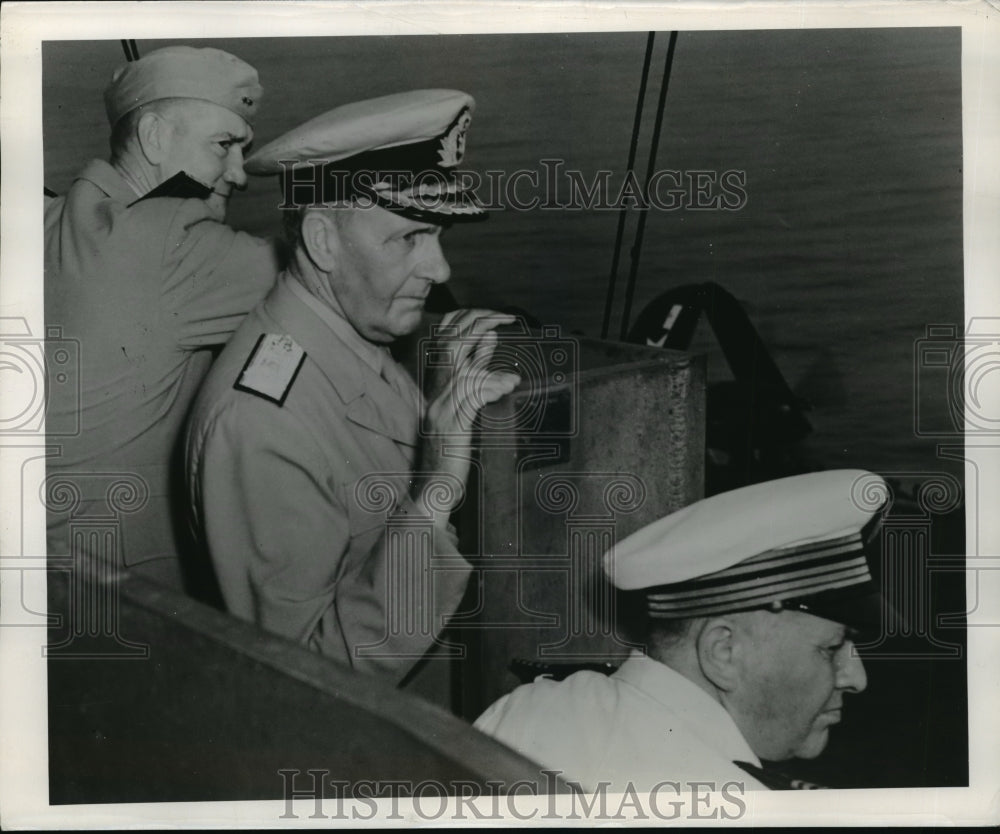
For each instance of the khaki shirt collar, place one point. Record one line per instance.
(105, 177)
(374, 356)
(370, 400)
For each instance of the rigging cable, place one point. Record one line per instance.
(640, 229)
(130, 49)
(623, 212)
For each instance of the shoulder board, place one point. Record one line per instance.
(272, 367)
(179, 185)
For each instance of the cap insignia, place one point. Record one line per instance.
(453, 142)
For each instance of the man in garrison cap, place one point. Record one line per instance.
(323, 509)
(753, 601)
(143, 274)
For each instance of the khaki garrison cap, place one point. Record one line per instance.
(399, 151)
(803, 543)
(184, 72)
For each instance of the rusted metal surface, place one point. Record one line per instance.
(624, 446)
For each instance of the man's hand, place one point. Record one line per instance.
(460, 388)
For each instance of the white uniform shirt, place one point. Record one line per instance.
(643, 725)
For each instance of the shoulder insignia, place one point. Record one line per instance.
(272, 367)
(179, 185)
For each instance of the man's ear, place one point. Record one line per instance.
(321, 239)
(154, 134)
(719, 652)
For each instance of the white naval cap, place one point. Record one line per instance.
(803, 543)
(400, 150)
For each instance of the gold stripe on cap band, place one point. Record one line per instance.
(758, 581)
(769, 594)
(731, 606)
(779, 557)
(783, 588)
(774, 583)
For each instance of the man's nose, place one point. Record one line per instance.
(435, 266)
(234, 173)
(851, 673)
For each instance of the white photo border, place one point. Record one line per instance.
(23, 737)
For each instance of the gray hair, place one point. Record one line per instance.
(664, 633)
(291, 221)
(124, 131)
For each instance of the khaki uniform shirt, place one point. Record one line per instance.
(141, 290)
(644, 724)
(302, 498)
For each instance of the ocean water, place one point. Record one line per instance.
(848, 247)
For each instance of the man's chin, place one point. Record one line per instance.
(813, 745)
(386, 335)
(408, 323)
(217, 205)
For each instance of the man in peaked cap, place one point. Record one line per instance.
(143, 274)
(753, 600)
(323, 510)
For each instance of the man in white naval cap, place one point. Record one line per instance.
(304, 459)
(143, 274)
(753, 600)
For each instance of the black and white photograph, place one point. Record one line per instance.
(496, 414)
